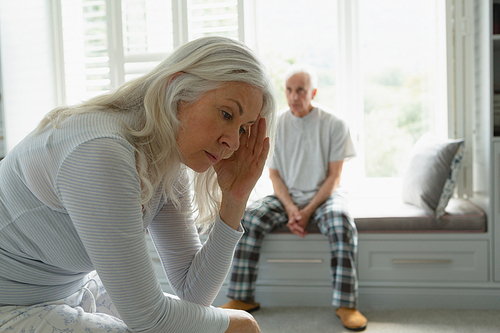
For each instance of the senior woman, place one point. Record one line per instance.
(78, 194)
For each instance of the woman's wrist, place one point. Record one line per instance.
(231, 212)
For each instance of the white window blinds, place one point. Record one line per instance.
(106, 43)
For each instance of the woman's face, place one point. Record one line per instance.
(211, 127)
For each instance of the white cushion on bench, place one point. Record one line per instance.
(393, 215)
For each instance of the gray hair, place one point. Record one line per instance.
(302, 68)
(206, 64)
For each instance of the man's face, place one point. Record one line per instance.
(299, 94)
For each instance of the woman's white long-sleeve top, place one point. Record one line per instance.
(70, 203)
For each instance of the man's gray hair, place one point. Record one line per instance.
(303, 68)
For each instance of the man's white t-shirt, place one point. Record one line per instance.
(303, 148)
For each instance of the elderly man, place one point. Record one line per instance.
(311, 147)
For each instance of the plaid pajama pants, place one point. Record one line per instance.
(332, 219)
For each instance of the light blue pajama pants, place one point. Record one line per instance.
(89, 310)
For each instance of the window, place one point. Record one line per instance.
(377, 69)
(85, 44)
(400, 61)
(298, 31)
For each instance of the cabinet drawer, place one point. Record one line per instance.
(293, 261)
(423, 261)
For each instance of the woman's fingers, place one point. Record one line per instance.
(253, 133)
(243, 142)
(261, 136)
(255, 145)
(257, 135)
(263, 154)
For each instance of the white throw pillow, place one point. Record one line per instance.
(430, 178)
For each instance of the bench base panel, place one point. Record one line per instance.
(378, 298)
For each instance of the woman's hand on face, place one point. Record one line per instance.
(238, 174)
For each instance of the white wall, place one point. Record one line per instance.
(28, 73)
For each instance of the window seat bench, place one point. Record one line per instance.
(406, 259)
